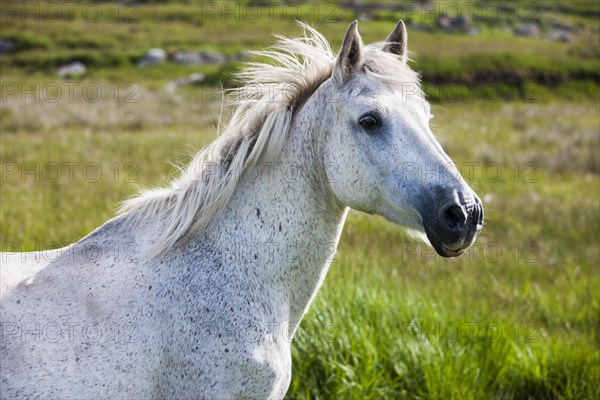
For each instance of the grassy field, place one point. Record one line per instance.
(517, 317)
(110, 39)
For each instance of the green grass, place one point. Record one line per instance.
(515, 317)
(495, 55)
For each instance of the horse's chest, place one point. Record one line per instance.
(273, 368)
(227, 367)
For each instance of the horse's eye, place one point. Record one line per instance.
(369, 122)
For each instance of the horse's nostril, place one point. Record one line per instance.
(454, 217)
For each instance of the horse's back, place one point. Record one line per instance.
(71, 316)
(100, 321)
(19, 267)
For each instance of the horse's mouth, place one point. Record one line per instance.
(449, 250)
(444, 250)
(451, 234)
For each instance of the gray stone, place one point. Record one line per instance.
(76, 68)
(153, 57)
(528, 29)
(198, 58)
(194, 79)
(560, 35)
(460, 23)
(6, 46)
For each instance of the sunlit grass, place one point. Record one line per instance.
(514, 317)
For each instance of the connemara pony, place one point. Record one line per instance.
(195, 290)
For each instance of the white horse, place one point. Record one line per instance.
(195, 290)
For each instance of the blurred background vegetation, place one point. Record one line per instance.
(553, 43)
(131, 88)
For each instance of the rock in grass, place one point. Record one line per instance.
(194, 79)
(561, 35)
(205, 57)
(152, 57)
(6, 46)
(74, 69)
(528, 29)
(460, 23)
(198, 58)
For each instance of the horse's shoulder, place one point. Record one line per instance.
(19, 267)
(110, 246)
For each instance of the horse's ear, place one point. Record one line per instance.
(350, 55)
(397, 41)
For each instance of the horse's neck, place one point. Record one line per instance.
(288, 221)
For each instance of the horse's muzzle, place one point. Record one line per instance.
(452, 228)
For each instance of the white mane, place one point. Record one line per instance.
(257, 130)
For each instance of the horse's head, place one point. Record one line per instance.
(380, 155)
